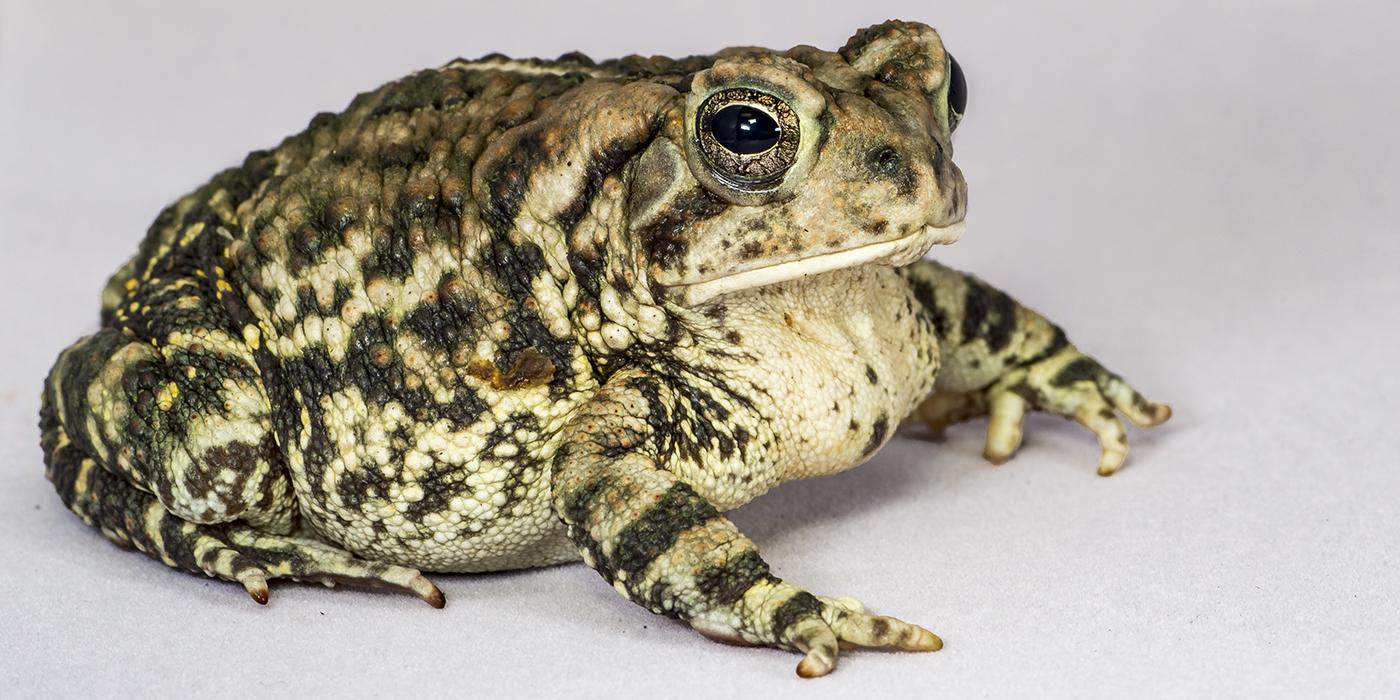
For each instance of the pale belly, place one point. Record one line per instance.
(848, 359)
(831, 365)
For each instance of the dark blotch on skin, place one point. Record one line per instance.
(1058, 341)
(417, 91)
(878, 430)
(465, 407)
(449, 319)
(741, 438)
(725, 585)
(588, 270)
(796, 608)
(750, 250)
(392, 254)
(928, 302)
(1080, 370)
(988, 315)
(940, 161)
(508, 182)
(605, 161)
(517, 266)
(664, 238)
(650, 535)
(577, 506)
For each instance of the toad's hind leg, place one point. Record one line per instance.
(232, 551)
(176, 406)
(157, 430)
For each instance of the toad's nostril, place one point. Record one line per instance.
(885, 160)
(887, 163)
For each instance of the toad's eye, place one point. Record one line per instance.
(745, 129)
(957, 93)
(749, 137)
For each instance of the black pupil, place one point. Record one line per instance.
(744, 129)
(957, 90)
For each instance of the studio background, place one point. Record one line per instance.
(1202, 193)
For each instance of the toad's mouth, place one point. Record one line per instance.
(897, 252)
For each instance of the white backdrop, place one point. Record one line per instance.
(1203, 193)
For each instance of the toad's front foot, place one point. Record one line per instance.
(1068, 384)
(775, 613)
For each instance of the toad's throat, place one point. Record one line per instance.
(900, 251)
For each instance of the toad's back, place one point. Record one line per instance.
(417, 353)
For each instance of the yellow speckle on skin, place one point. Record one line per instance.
(131, 284)
(252, 337)
(165, 400)
(192, 232)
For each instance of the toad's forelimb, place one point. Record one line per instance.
(1000, 359)
(659, 541)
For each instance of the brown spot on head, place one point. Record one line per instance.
(750, 250)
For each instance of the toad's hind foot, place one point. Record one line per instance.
(232, 551)
(254, 557)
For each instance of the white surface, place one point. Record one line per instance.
(1202, 193)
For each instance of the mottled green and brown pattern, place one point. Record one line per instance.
(508, 313)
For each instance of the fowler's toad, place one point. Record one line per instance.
(508, 313)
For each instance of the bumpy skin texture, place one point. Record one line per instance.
(511, 313)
